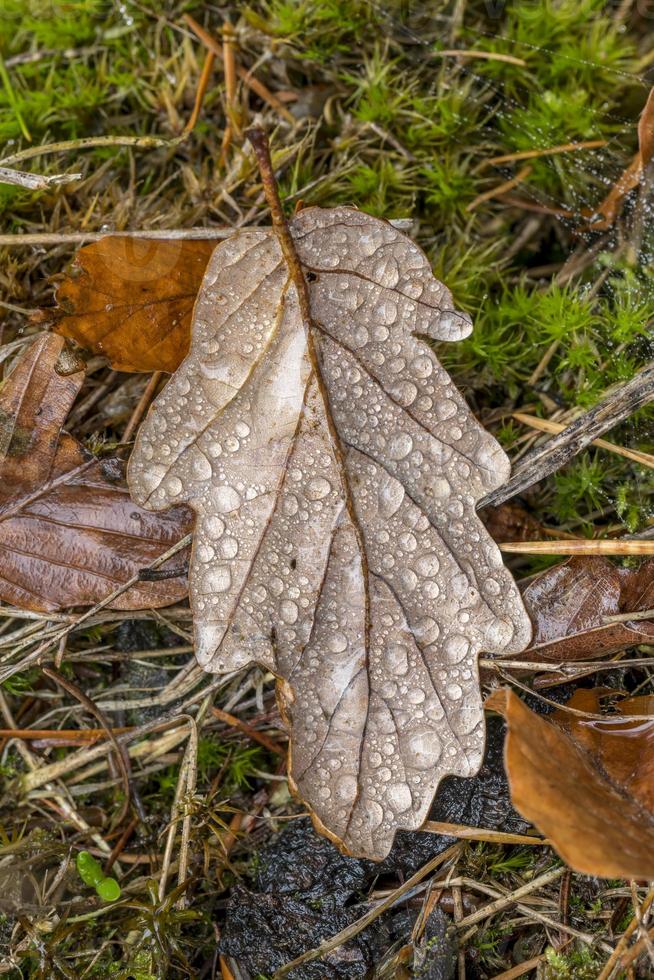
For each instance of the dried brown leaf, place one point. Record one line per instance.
(69, 532)
(568, 605)
(334, 468)
(631, 176)
(586, 784)
(132, 300)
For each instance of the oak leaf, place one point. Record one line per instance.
(585, 783)
(570, 603)
(132, 299)
(69, 532)
(334, 469)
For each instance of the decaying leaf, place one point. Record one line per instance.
(568, 605)
(69, 532)
(632, 175)
(132, 299)
(586, 784)
(334, 469)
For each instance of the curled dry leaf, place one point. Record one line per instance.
(632, 175)
(586, 784)
(568, 605)
(69, 532)
(334, 468)
(132, 300)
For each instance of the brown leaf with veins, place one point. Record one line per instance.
(132, 300)
(337, 542)
(588, 785)
(69, 532)
(569, 603)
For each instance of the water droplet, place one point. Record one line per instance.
(337, 642)
(217, 579)
(424, 749)
(228, 547)
(242, 429)
(399, 797)
(202, 467)
(214, 527)
(317, 488)
(400, 445)
(226, 499)
(174, 486)
(396, 659)
(427, 565)
(288, 611)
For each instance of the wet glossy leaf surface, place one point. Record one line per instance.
(69, 532)
(586, 784)
(568, 605)
(335, 473)
(132, 300)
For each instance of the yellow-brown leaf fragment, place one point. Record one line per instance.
(69, 532)
(588, 785)
(334, 468)
(132, 300)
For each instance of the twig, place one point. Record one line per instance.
(542, 462)
(509, 59)
(508, 185)
(616, 955)
(579, 546)
(205, 75)
(356, 927)
(122, 757)
(80, 237)
(35, 182)
(479, 833)
(549, 151)
(511, 899)
(547, 425)
(258, 87)
(141, 406)
(229, 68)
(88, 142)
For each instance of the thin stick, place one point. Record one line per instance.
(205, 75)
(88, 142)
(551, 150)
(353, 930)
(480, 833)
(542, 462)
(508, 185)
(229, 67)
(122, 758)
(258, 87)
(509, 59)
(506, 900)
(580, 546)
(520, 969)
(79, 237)
(616, 956)
(35, 182)
(547, 425)
(141, 406)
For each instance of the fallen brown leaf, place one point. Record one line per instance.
(568, 605)
(586, 784)
(69, 532)
(335, 469)
(630, 177)
(132, 300)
